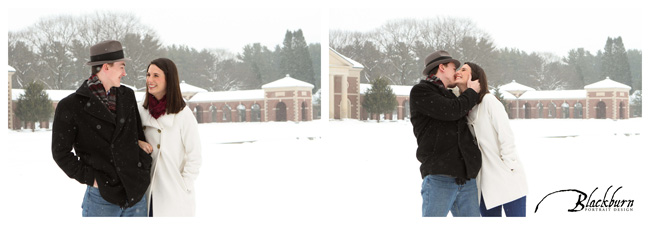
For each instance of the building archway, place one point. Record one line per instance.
(241, 112)
(565, 110)
(510, 111)
(303, 111)
(540, 110)
(601, 110)
(281, 112)
(199, 114)
(256, 113)
(226, 117)
(406, 109)
(213, 113)
(552, 110)
(621, 111)
(577, 110)
(527, 110)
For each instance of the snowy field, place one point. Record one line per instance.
(344, 172)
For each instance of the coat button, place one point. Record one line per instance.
(139, 164)
(158, 130)
(158, 146)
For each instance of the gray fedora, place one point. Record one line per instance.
(435, 59)
(106, 52)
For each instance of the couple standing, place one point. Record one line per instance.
(465, 144)
(128, 153)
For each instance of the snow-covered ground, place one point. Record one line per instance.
(344, 172)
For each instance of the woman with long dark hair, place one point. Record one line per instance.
(172, 133)
(501, 180)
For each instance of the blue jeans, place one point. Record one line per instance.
(516, 208)
(94, 205)
(441, 194)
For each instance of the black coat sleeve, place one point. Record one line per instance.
(431, 102)
(64, 135)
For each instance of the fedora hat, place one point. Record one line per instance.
(437, 58)
(106, 52)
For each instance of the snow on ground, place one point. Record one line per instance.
(346, 171)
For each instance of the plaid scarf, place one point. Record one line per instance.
(96, 87)
(435, 80)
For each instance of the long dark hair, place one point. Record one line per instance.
(478, 73)
(175, 102)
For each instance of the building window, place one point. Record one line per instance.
(226, 113)
(601, 109)
(407, 110)
(241, 111)
(199, 114)
(511, 113)
(303, 110)
(256, 114)
(565, 110)
(621, 111)
(540, 110)
(213, 112)
(552, 110)
(281, 112)
(527, 110)
(577, 110)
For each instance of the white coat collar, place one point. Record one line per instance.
(164, 121)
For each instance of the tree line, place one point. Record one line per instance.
(396, 51)
(54, 50)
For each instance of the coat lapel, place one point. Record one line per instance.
(94, 106)
(164, 121)
(123, 111)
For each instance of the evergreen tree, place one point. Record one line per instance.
(314, 54)
(22, 58)
(302, 59)
(34, 105)
(287, 65)
(497, 93)
(295, 58)
(380, 99)
(636, 66)
(615, 64)
(636, 104)
(621, 61)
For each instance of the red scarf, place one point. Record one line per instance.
(157, 108)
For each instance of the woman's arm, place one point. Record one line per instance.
(192, 143)
(501, 124)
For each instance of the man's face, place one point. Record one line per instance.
(446, 74)
(114, 74)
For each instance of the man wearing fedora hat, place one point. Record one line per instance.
(100, 121)
(447, 151)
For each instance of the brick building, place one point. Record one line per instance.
(606, 99)
(344, 80)
(286, 99)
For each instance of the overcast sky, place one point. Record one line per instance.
(544, 28)
(208, 27)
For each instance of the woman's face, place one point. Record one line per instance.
(463, 74)
(156, 83)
